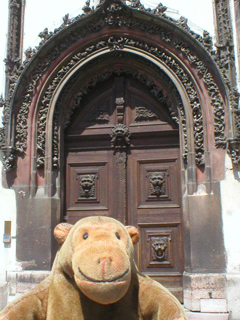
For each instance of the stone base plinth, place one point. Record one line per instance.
(21, 282)
(3, 295)
(207, 316)
(205, 293)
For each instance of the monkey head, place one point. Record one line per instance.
(97, 252)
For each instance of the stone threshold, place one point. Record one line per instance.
(207, 316)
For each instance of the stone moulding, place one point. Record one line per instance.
(117, 15)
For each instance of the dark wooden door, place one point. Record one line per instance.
(122, 160)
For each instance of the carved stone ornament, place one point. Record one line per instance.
(2, 138)
(234, 152)
(8, 158)
(87, 185)
(2, 102)
(198, 128)
(120, 136)
(159, 246)
(157, 183)
(145, 114)
(117, 15)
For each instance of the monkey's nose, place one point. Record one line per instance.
(100, 260)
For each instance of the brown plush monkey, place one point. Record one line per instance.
(94, 277)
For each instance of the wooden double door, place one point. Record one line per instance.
(122, 160)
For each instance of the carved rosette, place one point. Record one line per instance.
(159, 247)
(120, 136)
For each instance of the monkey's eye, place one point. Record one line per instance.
(117, 235)
(85, 236)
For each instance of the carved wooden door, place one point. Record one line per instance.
(122, 160)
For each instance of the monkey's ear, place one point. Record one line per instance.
(61, 232)
(134, 233)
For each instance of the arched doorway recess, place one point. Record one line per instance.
(123, 160)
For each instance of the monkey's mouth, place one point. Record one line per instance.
(121, 277)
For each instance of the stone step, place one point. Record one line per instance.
(207, 316)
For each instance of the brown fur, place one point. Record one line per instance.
(101, 249)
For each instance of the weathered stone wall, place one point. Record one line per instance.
(230, 193)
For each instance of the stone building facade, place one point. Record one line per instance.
(123, 111)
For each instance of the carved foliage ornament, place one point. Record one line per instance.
(2, 138)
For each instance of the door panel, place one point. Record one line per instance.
(89, 181)
(154, 205)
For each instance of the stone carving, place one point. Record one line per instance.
(44, 34)
(66, 20)
(120, 136)
(157, 183)
(29, 53)
(234, 152)
(144, 114)
(183, 24)
(8, 158)
(65, 69)
(207, 40)
(2, 138)
(159, 246)
(87, 185)
(224, 26)
(115, 44)
(86, 8)
(2, 102)
(237, 122)
(160, 9)
(114, 7)
(116, 18)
